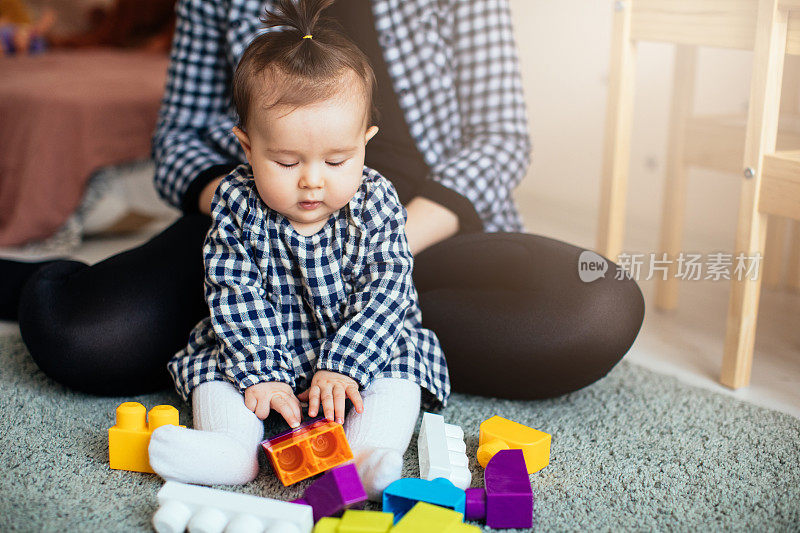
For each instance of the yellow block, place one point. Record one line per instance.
(427, 518)
(498, 433)
(327, 525)
(129, 438)
(353, 521)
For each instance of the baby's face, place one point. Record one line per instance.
(308, 162)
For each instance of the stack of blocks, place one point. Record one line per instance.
(438, 503)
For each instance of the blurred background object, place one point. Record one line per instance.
(121, 23)
(20, 33)
(78, 119)
(144, 24)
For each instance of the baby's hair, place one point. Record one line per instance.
(305, 58)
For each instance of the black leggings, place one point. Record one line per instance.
(513, 317)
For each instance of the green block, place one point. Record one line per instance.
(327, 525)
(427, 518)
(365, 522)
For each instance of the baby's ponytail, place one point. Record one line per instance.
(309, 52)
(298, 17)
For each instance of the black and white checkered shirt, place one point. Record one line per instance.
(454, 68)
(284, 305)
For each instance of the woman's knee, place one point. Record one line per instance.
(531, 328)
(88, 349)
(520, 345)
(46, 327)
(607, 317)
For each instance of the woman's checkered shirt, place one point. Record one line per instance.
(284, 305)
(454, 68)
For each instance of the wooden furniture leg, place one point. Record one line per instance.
(773, 251)
(616, 154)
(762, 127)
(793, 274)
(675, 179)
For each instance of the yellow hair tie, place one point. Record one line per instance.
(307, 36)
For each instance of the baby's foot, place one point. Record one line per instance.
(378, 468)
(201, 457)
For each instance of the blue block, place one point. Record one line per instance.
(403, 494)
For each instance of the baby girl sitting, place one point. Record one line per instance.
(308, 272)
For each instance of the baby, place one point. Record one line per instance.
(308, 272)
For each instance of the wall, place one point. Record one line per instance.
(564, 48)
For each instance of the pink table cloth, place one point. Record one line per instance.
(63, 115)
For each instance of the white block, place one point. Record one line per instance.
(206, 510)
(442, 452)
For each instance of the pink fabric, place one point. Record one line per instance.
(63, 115)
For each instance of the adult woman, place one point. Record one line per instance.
(454, 142)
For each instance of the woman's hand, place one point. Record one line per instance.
(428, 223)
(330, 389)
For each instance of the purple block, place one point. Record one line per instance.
(475, 508)
(509, 497)
(337, 489)
(507, 501)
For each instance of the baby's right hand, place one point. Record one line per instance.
(277, 395)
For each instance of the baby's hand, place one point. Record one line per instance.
(277, 395)
(331, 388)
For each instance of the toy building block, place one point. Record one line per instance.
(400, 496)
(202, 509)
(356, 522)
(129, 438)
(314, 447)
(498, 433)
(336, 490)
(507, 500)
(427, 518)
(442, 452)
(327, 525)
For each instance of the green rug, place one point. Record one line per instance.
(635, 451)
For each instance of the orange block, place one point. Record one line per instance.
(308, 450)
(129, 438)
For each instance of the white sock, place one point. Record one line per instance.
(380, 435)
(223, 450)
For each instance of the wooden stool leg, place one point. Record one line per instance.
(617, 140)
(674, 205)
(774, 255)
(762, 127)
(778, 228)
(793, 274)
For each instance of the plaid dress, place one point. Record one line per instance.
(454, 69)
(284, 305)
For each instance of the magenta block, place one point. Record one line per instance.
(507, 500)
(335, 491)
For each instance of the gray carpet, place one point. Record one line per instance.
(635, 451)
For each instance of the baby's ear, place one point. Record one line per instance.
(244, 140)
(370, 133)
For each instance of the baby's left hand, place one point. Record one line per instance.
(330, 389)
